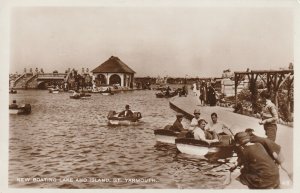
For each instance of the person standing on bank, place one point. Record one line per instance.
(211, 95)
(269, 116)
(258, 170)
(202, 96)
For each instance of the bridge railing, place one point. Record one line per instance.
(50, 75)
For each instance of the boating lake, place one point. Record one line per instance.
(66, 143)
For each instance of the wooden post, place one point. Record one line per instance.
(235, 87)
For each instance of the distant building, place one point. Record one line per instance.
(114, 72)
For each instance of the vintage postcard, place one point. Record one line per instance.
(165, 95)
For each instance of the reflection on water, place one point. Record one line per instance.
(65, 140)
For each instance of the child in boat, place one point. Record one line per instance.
(201, 134)
(258, 171)
(126, 113)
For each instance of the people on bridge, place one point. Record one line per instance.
(194, 122)
(126, 113)
(217, 126)
(269, 115)
(13, 105)
(258, 170)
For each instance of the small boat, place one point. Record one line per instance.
(20, 110)
(114, 119)
(219, 150)
(53, 91)
(165, 95)
(81, 96)
(12, 91)
(106, 90)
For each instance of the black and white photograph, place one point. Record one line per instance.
(118, 95)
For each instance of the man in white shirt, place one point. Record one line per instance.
(199, 132)
(217, 126)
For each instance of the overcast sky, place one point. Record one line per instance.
(174, 41)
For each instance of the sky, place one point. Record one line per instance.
(173, 41)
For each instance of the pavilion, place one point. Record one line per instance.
(114, 72)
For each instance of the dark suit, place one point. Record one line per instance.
(129, 113)
(177, 126)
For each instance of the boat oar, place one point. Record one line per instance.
(228, 178)
(230, 131)
(288, 174)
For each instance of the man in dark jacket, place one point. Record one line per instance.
(258, 170)
(177, 125)
(127, 112)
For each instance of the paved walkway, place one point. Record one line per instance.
(237, 123)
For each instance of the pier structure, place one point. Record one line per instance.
(272, 80)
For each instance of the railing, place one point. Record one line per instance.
(50, 75)
(18, 79)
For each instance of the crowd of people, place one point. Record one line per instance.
(206, 93)
(259, 158)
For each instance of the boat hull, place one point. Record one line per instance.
(86, 96)
(165, 136)
(13, 92)
(122, 122)
(106, 93)
(114, 119)
(162, 95)
(214, 151)
(22, 110)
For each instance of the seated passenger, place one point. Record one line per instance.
(13, 105)
(168, 91)
(194, 122)
(201, 134)
(126, 113)
(217, 126)
(75, 93)
(177, 125)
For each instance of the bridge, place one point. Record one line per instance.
(39, 80)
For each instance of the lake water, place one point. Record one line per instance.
(66, 143)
